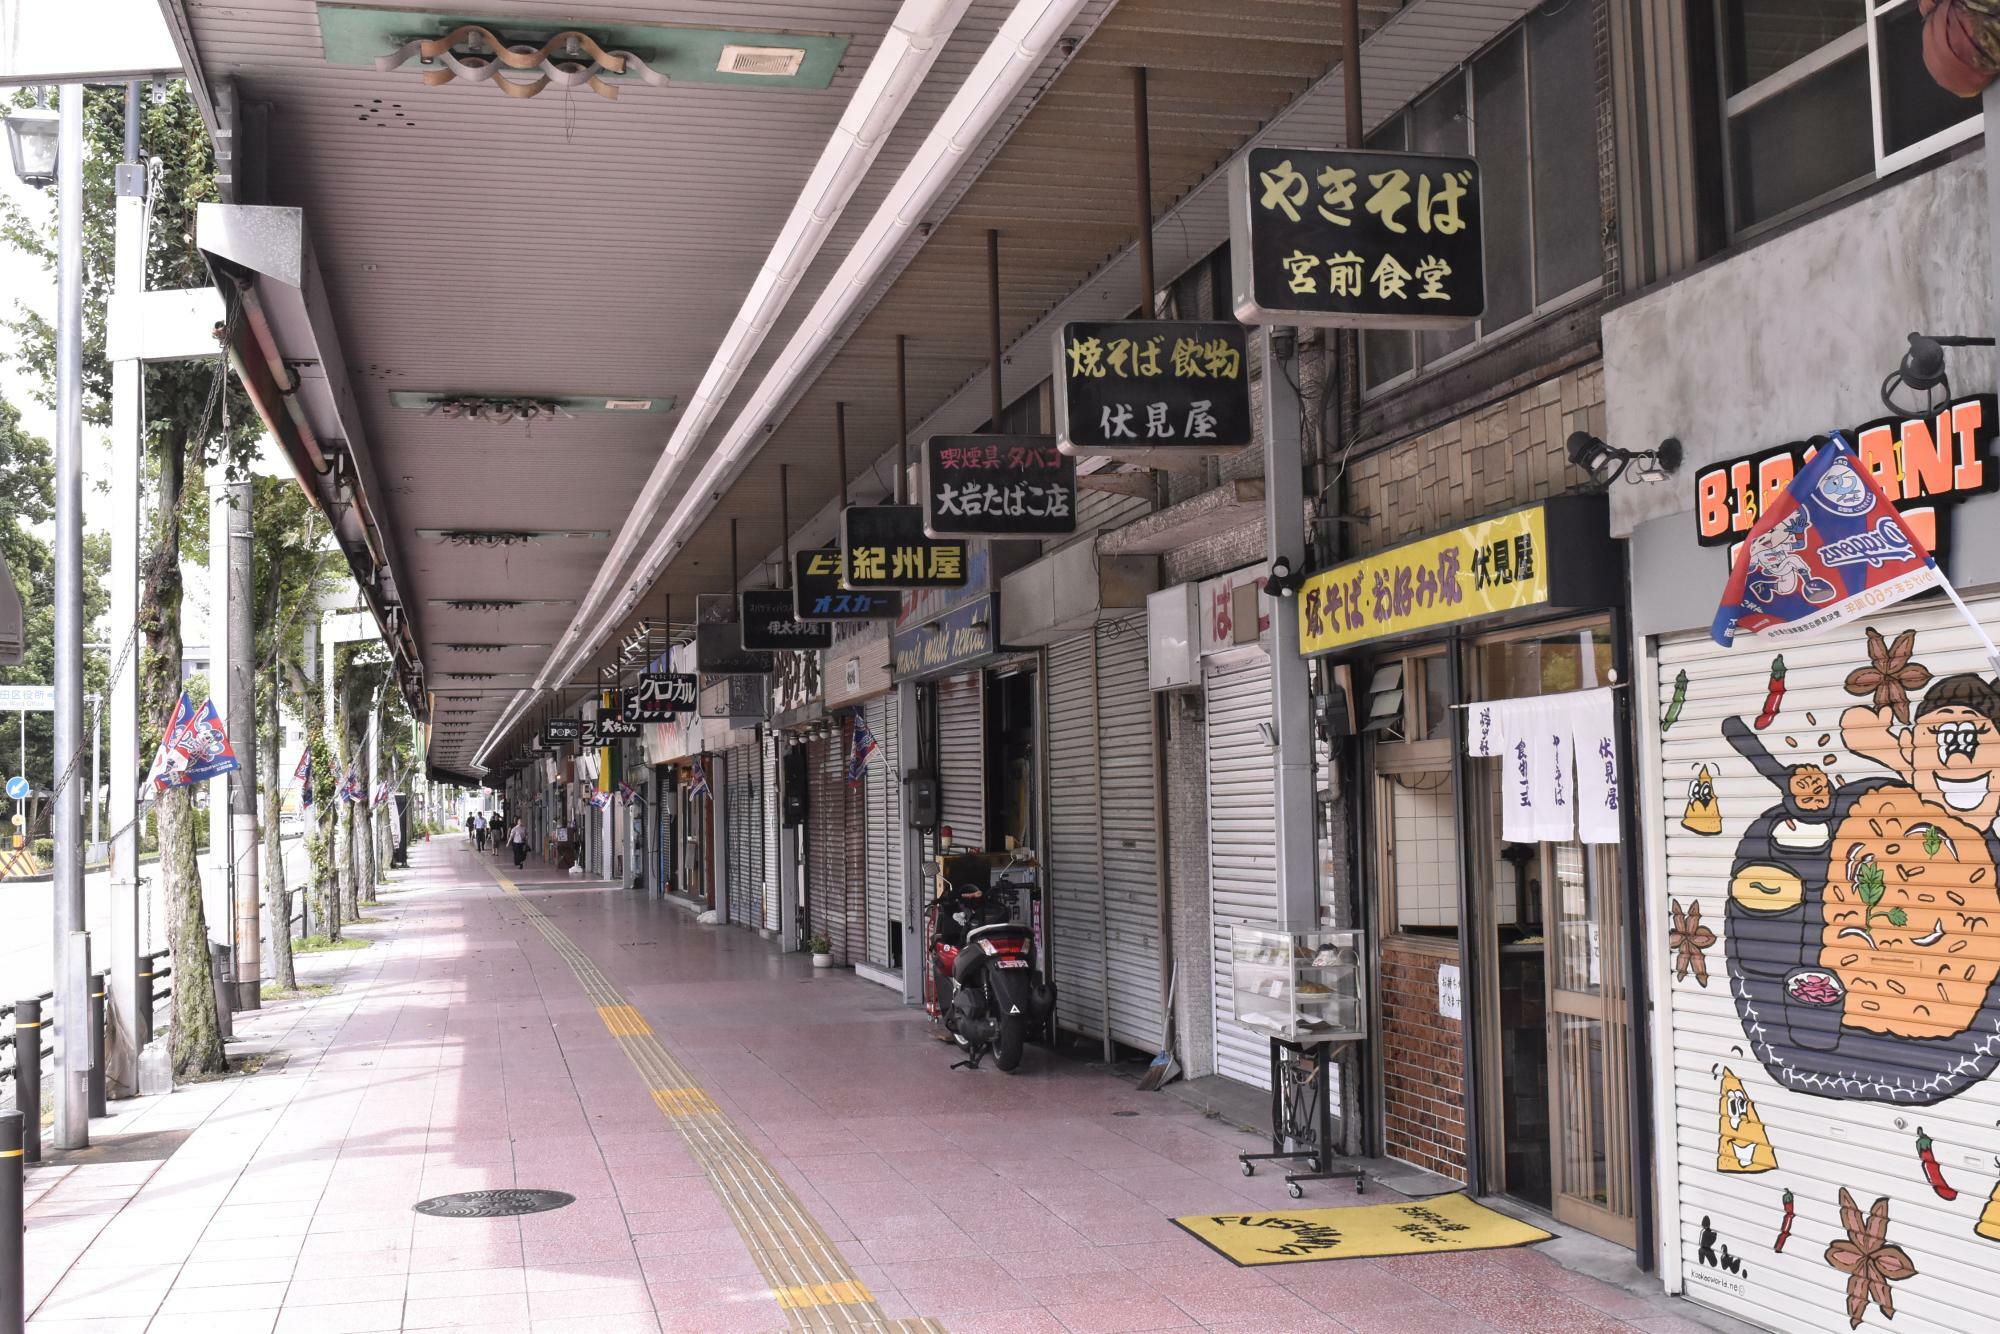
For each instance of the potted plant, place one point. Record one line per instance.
(821, 949)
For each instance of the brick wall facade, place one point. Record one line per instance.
(1423, 1067)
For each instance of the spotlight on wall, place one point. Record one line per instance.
(1607, 463)
(1922, 369)
(1284, 581)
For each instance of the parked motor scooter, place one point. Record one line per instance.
(982, 983)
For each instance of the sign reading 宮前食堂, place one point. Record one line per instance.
(1347, 239)
(886, 547)
(1557, 554)
(997, 486)
(1128, 386)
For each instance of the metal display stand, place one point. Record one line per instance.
(1302, 1116)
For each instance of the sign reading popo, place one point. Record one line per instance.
(768, 623)
(819, 595)
(887, 547)
(563, 729)
(997, 486)
(1152, 384)
(1356, 240)
(661, 695)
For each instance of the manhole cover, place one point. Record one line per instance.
(493, 1203)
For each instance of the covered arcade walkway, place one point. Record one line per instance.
(752, 1146)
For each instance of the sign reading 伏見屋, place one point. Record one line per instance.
(1349, 239)
(1127, 386)
(1557, 554)
(886, 547)
(997, 486)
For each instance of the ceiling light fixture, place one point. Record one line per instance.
(508, 537)
(1922, 369)
(498, 604)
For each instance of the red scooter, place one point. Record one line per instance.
(982, 983)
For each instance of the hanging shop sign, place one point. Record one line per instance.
(819, 593)
(768, 623)
(611, 726)
(1152, 384)
(588, 737)
(659, 696)
(742, 700)
(719, 651)
(997, 486)
(952, 641)
(796, 683)
(1356, 240)
(887, 547)
(1555, 555)
(1926, 466)
(562, 729)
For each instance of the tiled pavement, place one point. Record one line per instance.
(463, 1051)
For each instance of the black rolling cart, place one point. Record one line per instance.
(1302, 1116)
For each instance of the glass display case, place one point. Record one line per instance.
(1301, 986)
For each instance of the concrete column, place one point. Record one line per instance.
(216, 867)
(242, 723)
(1291, 683)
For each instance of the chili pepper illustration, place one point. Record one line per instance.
(1677, 703)
(1773, 693)
(1932, 1171)
(1785, 1227)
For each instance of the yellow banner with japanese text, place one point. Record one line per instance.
(1496, 565)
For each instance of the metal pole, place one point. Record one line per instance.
(96, 770)
(1350, 68)
(1291, 683)
(902, 416)
(1142, 148)
(993, 316)
(13, 1261)
(840, 448)
(72, 951)
(28, 1075)
(242, 705)
(785, 523)
(97, 984)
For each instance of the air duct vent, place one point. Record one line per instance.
(771, 62)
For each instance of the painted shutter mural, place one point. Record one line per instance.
(1831, 929)
(884, 796)
(1242, 842)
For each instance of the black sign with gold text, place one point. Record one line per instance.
(819, 595)
(887, 547)
(768, 623)
(1356, 240)
(1152, 384)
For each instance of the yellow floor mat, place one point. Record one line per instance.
(1413, 1227)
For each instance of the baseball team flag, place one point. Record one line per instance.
(194, 748)
(1828, 548)
(862, 746)
(625, 793)
(698, 780)
(303, 776)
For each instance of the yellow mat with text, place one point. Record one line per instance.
(1413, 1227)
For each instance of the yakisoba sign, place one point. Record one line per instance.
(1925, 464)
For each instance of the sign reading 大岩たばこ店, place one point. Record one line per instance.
(997, 486)
(1350, 239)
(1132, 387)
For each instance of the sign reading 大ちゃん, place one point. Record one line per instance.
(1351, 239)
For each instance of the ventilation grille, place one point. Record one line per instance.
(775, 62)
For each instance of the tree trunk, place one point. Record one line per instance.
(323, 850)
(364, 851)
(277, 895)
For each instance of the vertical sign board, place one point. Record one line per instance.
(1129, 386)
(997, 486)
(1356, 240)
(766, 615)
(887, 547)
(660, 696)
(819, 593)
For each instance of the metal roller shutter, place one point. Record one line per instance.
(1130, 847)
(961, 711)
(826, 842)
(773, 836)
(1883, 902)
(855, 820)
(1076, 880)
(1242, 843)
(884, 795)
(740, 851)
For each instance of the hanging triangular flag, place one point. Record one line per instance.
(859, 749)
(194, 748)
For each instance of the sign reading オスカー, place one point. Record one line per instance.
(1131, 385)
(1355, 239)
(887, 547)
(818, 593)
(1925, 465)
(1556, 554)
(997, 485)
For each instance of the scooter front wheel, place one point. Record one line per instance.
(1013, 1037)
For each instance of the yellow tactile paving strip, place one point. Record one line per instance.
(807, 1274)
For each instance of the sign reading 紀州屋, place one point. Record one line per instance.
(1348, 239)
(886, 547)
(1557, 554)
(1925, 465)
(1129, 387)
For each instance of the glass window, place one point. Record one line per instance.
(1438, 124)
(1419, 851)
(1500, 98)
(1387, 355)
(1568, 249)
(1762, 37)
(1792, 148)
(1914, 107)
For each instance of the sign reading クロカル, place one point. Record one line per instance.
(661, 695)
(1130, 385)
(768, 623)
(819, 595)
(887, 547)
(1355, 239)
(1925, 465)
(997, 485)
(1557, 554)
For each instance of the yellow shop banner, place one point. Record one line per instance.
(1555, 554)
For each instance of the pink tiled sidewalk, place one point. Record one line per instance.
(459, 1052)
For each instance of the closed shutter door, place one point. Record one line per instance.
(885, 830)
(961, 709)
(1242, 844)
(738, 852)
(854, 819)
(1127, 794)
(773, 834)
(828, 854)
(1076, 882)
(1881, 908)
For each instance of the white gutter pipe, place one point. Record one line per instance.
(1016, 52)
